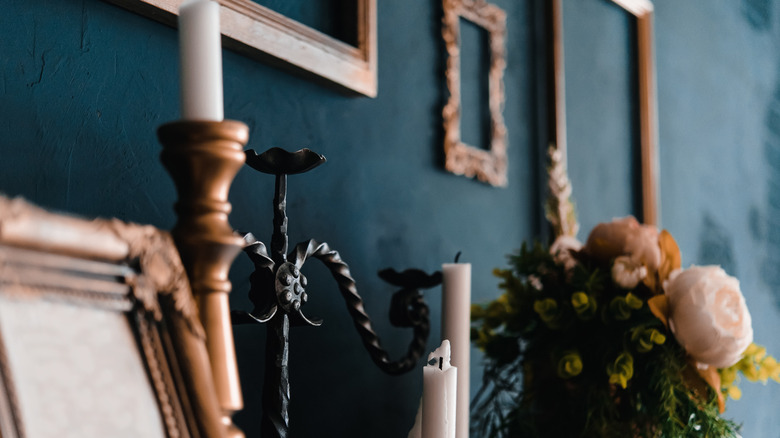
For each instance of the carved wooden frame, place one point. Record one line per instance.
(642, 10)
(117, 267)
(489, 166)
(259, 32)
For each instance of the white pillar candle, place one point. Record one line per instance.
(440, 380)
(456, 326)
(200, 59)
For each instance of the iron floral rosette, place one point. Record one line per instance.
(615, 338)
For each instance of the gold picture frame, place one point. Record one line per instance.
(259, 32)
(490, 165)
(642, 11)
(99, 332)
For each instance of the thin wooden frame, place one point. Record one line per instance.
(133, 276)
(259, 32)
(489, 166)
(642, 10)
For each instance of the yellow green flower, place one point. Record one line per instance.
(547, 310)
(755, 365)
(584, 305)
(646, 338)
(633, 301)
(734, 392)
(569, 365)
(772, 368)
(621, 306)
(749, 370)
(728, 376)
(621, 370)
(755, 351)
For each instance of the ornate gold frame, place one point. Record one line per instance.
(489, 166)
(115, 267)
(642, 10)
(259, 32)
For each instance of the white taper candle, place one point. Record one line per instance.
(440, 381)
(200, 56)
(456, 326)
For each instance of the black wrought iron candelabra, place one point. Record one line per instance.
(278, 292)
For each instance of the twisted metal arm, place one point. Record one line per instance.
(408, 308)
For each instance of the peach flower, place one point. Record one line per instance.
(708, 315)
(625, 237)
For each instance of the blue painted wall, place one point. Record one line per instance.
(84, 85)
(718, 78)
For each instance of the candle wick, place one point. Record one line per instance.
(457, 256)
(441, 363)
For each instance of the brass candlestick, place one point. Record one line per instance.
(203, 157)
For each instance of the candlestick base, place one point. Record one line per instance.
(202, 158)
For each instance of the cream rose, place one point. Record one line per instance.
(625, 237)
(708, 315)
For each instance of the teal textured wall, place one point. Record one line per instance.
(84, 85)
(718, 78)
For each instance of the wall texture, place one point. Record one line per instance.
(84, 85)
(718, 76)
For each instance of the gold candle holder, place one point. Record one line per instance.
(203, 157)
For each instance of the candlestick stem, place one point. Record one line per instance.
(279, 237)
(202, 158)
(276, 382)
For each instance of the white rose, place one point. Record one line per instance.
(708, 315)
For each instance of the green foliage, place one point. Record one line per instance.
(572, 354)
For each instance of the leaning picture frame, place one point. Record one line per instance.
(259, 32)
(642, 11)
(487, 165)
(99, 332)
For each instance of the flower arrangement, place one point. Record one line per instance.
(613, 339)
